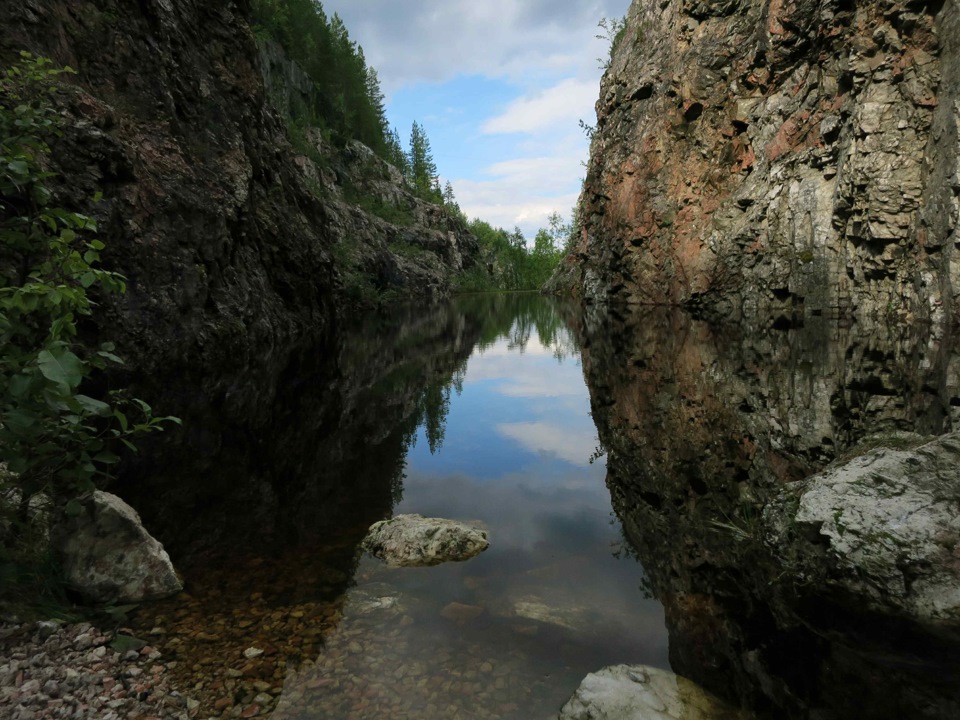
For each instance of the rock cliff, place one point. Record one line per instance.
(780, 160)
(225, 248)
(233, 242)
(389, 242)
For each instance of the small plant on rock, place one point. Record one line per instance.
(55, 441)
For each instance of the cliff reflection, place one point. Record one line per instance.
(702, 425)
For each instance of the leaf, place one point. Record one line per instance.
(124, 643)
(95, 407)
(20, 385)
(111, 357)
(19, 167)
(107, 458)
(19, 421)
(63, 368)
(73, 508)
(88, 278)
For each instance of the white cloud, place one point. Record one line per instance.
(524, 191)
(573, 447)
(562, 104)
(522, 40)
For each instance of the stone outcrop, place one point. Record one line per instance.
(225, 248)
(881, 531)
(392, 243)
(108, 556)
(389, 242)
(639, 692)
(232, 241)
(777, 160)
(416, 541)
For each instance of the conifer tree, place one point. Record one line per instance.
(423, 171)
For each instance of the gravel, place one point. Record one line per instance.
(51, 671)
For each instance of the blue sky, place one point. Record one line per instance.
(499, 86)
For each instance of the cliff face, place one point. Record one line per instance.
(224, 246)
(389, 243)
(232, 242)
(777, 159)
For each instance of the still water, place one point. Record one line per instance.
(476, 411)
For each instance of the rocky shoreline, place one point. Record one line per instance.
(79, 671)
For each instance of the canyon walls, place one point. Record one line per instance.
(774, 161)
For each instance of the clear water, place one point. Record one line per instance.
(504, 439)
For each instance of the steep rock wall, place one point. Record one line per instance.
(225, 248)
(234, 244)
(412, 248)
(777, 159)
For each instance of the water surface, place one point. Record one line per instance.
(476, 411)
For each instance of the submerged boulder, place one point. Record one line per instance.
(640, 692)
(883, 530)
(107, 554)
(413, 540)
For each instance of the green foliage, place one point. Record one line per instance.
(613, 31)
(422, 170)
(377, 206)
(352, 105)
(53, 438)
(511, 263)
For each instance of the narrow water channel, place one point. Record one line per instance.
(475, 411)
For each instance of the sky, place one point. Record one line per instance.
(499, 86)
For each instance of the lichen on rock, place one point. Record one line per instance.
(777, 161)
(413, 540)
(107, 555)
(891, 522)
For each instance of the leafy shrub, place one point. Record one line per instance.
(54, 439)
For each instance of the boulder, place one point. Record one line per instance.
(890, 524)
(413, 540)
(108, 556)
(640, 692)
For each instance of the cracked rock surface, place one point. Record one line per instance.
(766, 160)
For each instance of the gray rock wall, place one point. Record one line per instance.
(777, 159)
(389, 242)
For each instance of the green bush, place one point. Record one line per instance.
(54, 439)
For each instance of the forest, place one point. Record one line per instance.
(352, 107)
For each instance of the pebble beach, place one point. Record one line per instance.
(50, 671)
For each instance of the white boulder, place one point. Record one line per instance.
(107, 555)
(640, 692)
(413, 540)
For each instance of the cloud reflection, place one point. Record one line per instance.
(572, 446)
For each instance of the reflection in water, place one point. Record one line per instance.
(474, 411)
(702, 425)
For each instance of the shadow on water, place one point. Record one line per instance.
(702, 425)
(475, 410)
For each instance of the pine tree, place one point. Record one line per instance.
(396, 155)
(423, 171)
